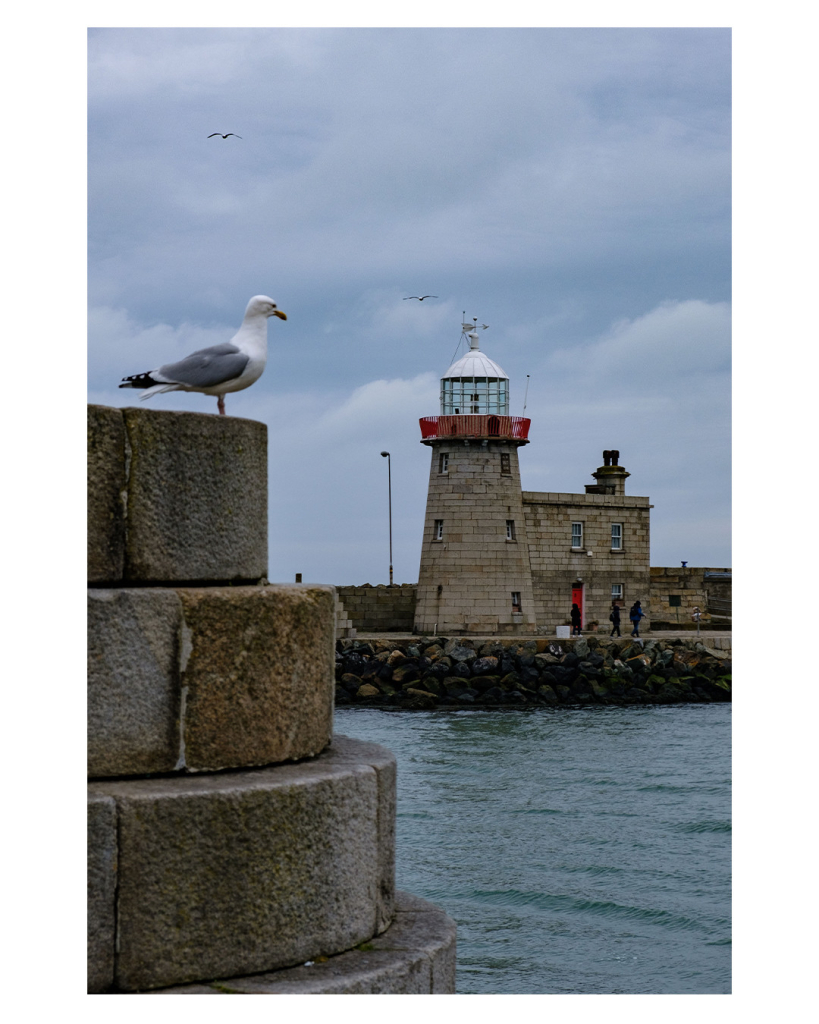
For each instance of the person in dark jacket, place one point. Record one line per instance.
(575, 617)
(614, 618)
(635, 614)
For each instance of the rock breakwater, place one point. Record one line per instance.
(456, 672)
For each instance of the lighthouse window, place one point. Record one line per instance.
(490, 395)
(505, 467)
(616, 536)
(577, 535)
(443, 463)
(510, 529)
(438, 533)
(515, 600)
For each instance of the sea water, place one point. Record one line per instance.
(578, 850)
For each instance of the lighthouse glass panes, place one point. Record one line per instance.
(479, 396)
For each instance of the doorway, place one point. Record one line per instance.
(577, 598)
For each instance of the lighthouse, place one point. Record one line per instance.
(475, 575)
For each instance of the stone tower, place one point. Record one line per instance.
(474, 575)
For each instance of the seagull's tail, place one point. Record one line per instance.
(158, 389)
(148, 383)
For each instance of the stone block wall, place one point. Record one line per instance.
(709, 589)
(232, 839)
(381, 608)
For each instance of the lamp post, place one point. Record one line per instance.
(386, 455)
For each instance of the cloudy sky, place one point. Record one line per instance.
(568, 187)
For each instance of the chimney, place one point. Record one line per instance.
(610, 477)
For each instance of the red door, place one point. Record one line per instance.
(577, 598)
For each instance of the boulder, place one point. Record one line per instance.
(460, 650)
(484, 666)
(404, 674)
(545, 661)
(484, 683)
(367, 691)
(423, 696)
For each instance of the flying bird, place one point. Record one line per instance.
(225, 136)
(232, 366)
(420, 297)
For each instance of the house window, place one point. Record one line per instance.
(515, 600)
(443, 463)
(506, 469)
(438, 533)
(577, 535)
(510, 529)
(616, 536)
(617, 591)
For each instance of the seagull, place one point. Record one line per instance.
(225, 136)
(420, 297)
(232, 366)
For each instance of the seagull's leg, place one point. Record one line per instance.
(221, 405)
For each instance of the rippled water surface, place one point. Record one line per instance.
(578, 851)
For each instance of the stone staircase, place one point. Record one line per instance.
(234, 844)
(344, 624)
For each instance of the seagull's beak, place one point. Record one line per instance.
(279, 314)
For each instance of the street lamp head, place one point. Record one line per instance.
(385, 454)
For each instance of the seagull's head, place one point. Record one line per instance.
(263, 305)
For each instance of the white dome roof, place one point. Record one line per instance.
(475, 364)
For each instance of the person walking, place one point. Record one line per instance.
(614, 619)
(635, 614)
(575, 616)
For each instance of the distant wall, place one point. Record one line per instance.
(708, 589)
(392, 609)
(380, 609)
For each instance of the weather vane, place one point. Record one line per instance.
(474, 326)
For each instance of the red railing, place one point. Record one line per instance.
(516, 427)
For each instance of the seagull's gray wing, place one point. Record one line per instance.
(206, 368)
